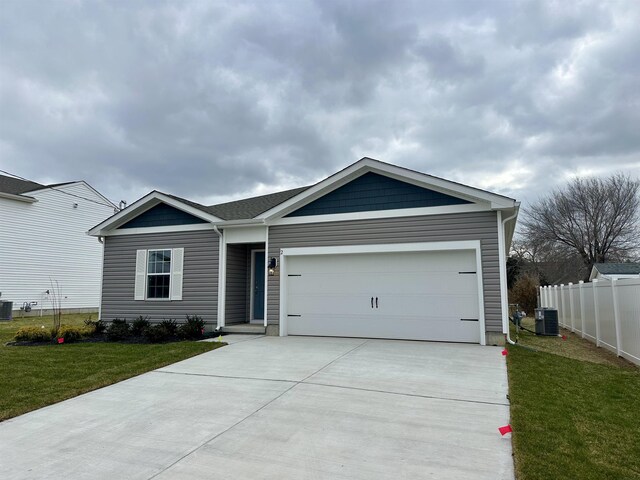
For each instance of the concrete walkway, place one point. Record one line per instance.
(279, 408)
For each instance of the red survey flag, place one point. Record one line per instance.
(504, 430)
(505, 352)
(61, 340)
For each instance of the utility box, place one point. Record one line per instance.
(547, 321)
(5, 311)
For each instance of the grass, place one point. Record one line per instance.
(574, 410)
(33, 377)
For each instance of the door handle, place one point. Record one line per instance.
(376, 302)
(371, 302)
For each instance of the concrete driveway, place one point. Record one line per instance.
(279, 408)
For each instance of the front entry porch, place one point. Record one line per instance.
(244, 285)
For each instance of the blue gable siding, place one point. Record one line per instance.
(375, 192)
(162, 215)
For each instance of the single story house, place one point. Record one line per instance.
(44, 243)
(375, 250)
(614, 270)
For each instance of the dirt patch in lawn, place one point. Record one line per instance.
(571, 346)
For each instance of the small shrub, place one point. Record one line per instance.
(33, 334)
(118, 330)
(158, 333)
(139, 325)
(192, 329)
(73, 334)
(171, 327)
(99, 326)
(525, 293)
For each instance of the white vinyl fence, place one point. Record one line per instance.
(606, 312)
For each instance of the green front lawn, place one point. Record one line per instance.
(33, 377)
(574, 411)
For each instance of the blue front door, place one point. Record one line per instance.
(258, 285)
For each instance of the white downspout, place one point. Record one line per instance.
(101, 240)
(504, 294)
(221, 277)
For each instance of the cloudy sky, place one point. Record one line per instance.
(217, 100)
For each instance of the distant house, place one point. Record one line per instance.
(375, 250)
(43, 238)
(614, 270)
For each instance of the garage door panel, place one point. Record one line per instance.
(411, 328)
(385, 262)
(376, 282)
(454, 306)
(421, 295)
(329, 304)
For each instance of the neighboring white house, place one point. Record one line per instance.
(614, 270)
(43, 238)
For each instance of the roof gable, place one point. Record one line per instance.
(162, 215)
(470, 194)
(373, 191)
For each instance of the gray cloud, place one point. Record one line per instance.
(220, 100)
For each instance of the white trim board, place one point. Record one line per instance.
(373, 214)
(168, 229)
(18, 198)
(382, 248)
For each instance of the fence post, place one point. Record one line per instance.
(564, 322)
(546, 296)
(581, 286)
(616, 316)
(596, 310)
(573, 328)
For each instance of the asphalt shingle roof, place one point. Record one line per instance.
(246, 208)
(618, 268)
(15, 186)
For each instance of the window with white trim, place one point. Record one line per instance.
(159, 274)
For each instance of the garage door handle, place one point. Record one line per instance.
(376, 302)
(371, 302)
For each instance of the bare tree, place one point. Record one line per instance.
(595, 218)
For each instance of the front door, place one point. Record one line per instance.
(257, 287)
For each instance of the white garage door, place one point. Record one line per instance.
(403, 295)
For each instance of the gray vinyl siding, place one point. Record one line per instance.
(481, 226)
(200, 280)
(236, 292)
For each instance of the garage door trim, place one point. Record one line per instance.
(384, 248)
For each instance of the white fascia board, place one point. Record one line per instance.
(167, 229)
(383, 248)
(244, 234)
(369, 165)
(245, 222)
(18, 198)
(372, 214)
(142, 205)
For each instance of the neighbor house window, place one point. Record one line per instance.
(159, 274)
